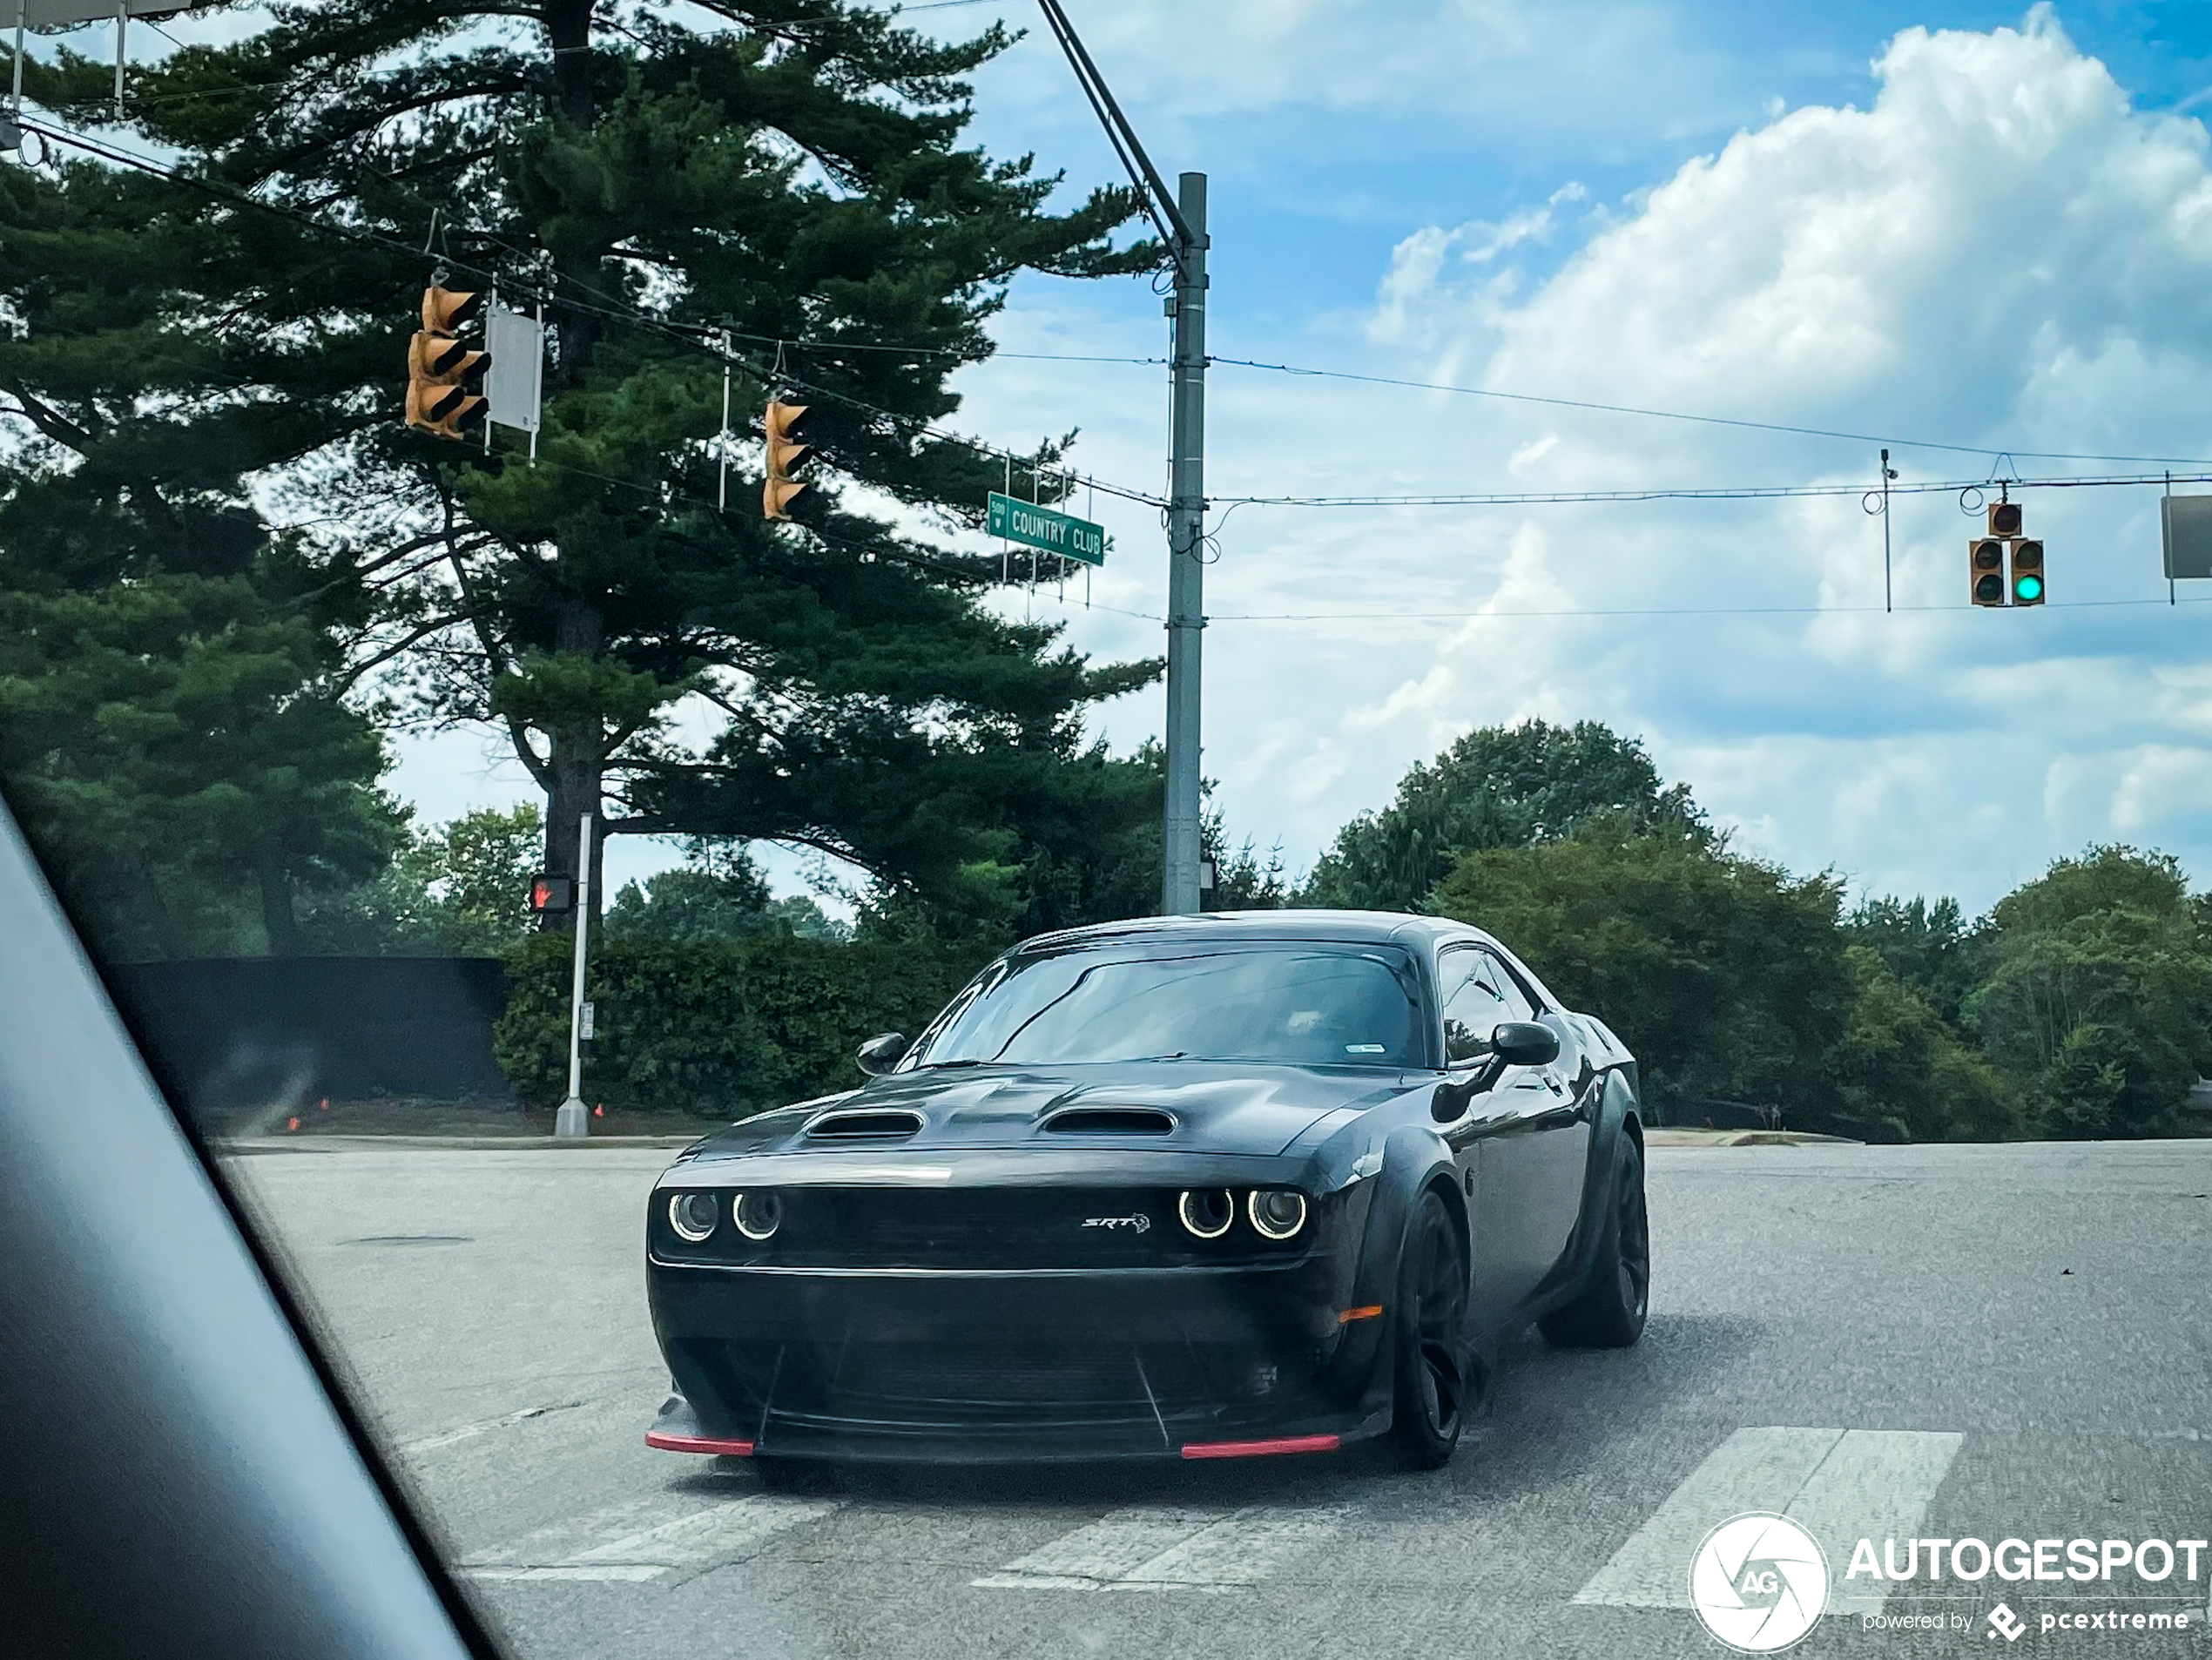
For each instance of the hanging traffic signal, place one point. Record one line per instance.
(2027, 573)
(2004, 520)
(1985, 569)
(785, 425)
(445, 373)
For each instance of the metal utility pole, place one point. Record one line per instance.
(1186, 550)
(1181, 221)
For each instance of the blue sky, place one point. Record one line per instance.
(1974, 224)
(1971, 224)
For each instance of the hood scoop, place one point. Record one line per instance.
(865, 1123)
(1109, 1121)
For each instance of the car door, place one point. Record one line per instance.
(1526, 1130)
(1467, 993)
(1548, 1136)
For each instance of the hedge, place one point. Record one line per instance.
(721, 1028)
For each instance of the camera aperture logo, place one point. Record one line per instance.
(1759, 1583)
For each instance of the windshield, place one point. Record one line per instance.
(1300, 1004)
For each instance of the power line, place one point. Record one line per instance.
(1742, 493)
(1655, 612)
(683, 334)
(1702, 420)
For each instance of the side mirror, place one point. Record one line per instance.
(1523, 1042)
(882, 1052)
(1512, 1042)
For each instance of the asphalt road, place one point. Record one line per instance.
(1933, 1342)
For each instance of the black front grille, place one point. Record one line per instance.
(981, 1382)
(985, 1228)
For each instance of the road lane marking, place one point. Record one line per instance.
(1840, 1486)
(638, 1540)
(1154, 1547)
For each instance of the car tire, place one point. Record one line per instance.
(1431, 1397)
(1609, 1312)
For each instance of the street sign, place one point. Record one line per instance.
(2186, 522)
(1046, 531)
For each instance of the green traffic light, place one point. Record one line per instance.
(2030, 587)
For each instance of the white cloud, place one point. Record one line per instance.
(1996, 250)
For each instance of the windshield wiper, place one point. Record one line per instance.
(938, 1066)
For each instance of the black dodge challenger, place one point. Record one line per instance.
(1189, 1187)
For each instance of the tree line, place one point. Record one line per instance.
(2079, 1006)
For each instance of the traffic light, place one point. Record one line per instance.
(552, 895)
(444, 371)
(2004, 520)
(2027, 573)
(1986, 569)
(785, 424)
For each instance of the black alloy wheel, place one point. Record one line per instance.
(1432, 1313)
(1610, 1313)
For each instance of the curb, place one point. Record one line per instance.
(1667, 1136)
(335, 1144)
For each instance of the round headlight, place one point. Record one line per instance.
(1207, 1212)
(1277, 1212)
(758, 1215)
(693, 1215)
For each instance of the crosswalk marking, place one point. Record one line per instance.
(1146, 1548)
(627, 1543)
(1839, 1485)
(1876, 1484)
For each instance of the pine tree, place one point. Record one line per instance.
(794, 173)
(173, 735)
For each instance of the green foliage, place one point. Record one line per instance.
(1902, 1073)
(719, 894)
(1724, 975)
(719, 1028)
(170, 738)
(460, 889)
(2098, 1000)
(1497, 788)
(1928, 947)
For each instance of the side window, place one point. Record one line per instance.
(1475, 1001)
(1516, 994)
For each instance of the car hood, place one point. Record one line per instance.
(1217, 1107)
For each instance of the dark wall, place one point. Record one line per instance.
(237, 1036)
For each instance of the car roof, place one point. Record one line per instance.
(1351, 927)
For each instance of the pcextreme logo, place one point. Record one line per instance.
(1759, 1583)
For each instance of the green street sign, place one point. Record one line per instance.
(1046, 531)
